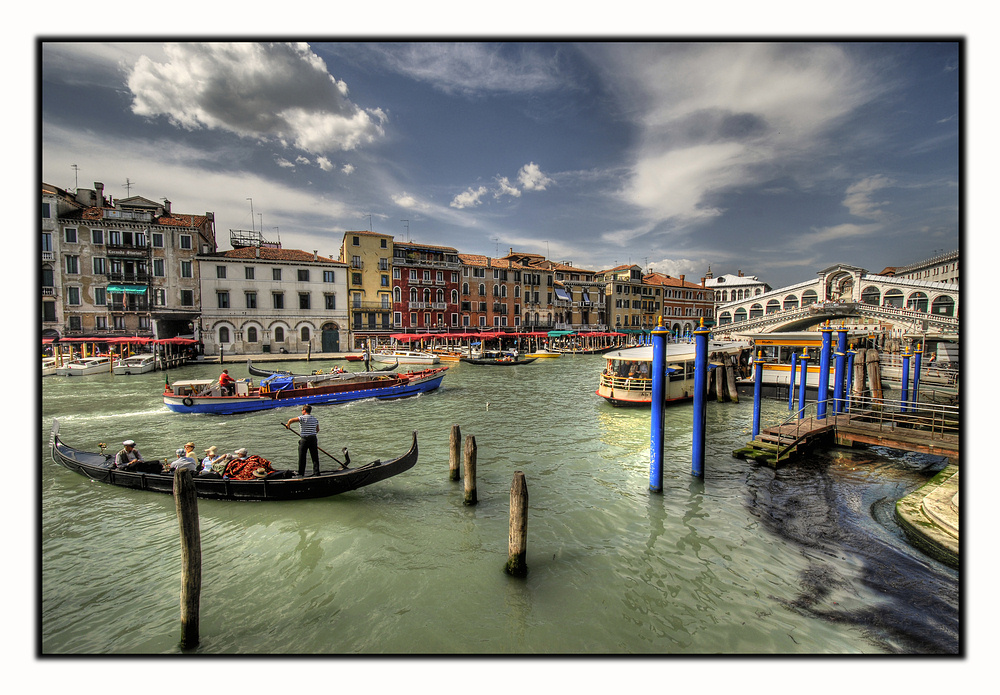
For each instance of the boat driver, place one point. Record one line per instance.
(129, 458)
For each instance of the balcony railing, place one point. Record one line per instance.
(139, 278)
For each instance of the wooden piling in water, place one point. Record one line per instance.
(720, 384)
(456, 453)
(470, 471)
(858, 379)
(734, 397)
(874, 373)
(518, 538)
(186, 501)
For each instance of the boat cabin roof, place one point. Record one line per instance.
(193, 383)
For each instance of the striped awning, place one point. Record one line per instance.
(127, 289)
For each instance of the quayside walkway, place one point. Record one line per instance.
(923, 427)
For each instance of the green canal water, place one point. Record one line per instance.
(804, 560)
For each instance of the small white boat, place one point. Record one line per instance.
(86, 365)
(136, 364)
(405, 357)
(48, 366)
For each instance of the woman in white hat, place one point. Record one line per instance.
(210, 458)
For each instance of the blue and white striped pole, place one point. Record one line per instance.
(657, 408)
(700, 400)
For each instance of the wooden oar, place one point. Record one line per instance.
(347, 456)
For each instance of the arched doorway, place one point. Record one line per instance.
(331, 337)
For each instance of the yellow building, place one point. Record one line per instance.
(368, 256)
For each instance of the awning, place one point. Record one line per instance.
(127, 289)
(557, 334)
(561, 294)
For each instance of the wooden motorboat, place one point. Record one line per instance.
(544, 354)
(97, 466)
(284, 390)
(86, 365)
(49, 366)
(259, 371)
(405, 357)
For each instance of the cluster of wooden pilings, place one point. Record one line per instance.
(518, 536)
(722, 377)
(867, 378)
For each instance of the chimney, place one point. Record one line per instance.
(315, 255)
(703, 282)
(682, 281)
(99, 188)
(166, 206)
(739, 273)
(256, 252)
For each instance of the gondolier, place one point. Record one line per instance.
(308, 438)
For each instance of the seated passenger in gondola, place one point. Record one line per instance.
(129, 459)
(184, 462)
(243, 466)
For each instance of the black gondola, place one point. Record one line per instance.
(257, 371)
(499, 361)
(97, 467)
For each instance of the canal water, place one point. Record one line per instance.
(804, 560)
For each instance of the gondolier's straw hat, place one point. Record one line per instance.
(260, 472)
(128, 442)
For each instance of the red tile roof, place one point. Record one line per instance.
(269, 254)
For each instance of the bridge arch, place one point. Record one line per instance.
(943, 305)
(917, 301)
(894, 298)
(871, 295)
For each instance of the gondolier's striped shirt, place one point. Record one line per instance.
(308, 425)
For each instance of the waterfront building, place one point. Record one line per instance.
(578, 296)
(731, 288)
(940, 268)
(369, 285)
(259, 299)
(425, 286)
(685, 304)
(537, 295)
(119, 267)
(632, 304)
(491, 292)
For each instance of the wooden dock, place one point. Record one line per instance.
(929, 431)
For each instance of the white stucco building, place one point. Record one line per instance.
(257, 300)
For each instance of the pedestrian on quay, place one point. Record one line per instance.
(308, 438)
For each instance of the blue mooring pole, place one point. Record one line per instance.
(918, 353)
(804, 360)
(905, 382)
(657, 408)
(700, 400)
(849, 385)
(839, 386)
(758, 378)
(791, 382)
(824, 371)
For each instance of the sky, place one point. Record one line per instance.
(777, 159)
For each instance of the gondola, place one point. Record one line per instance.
(96, 466)
(257, 371)
(499, 361)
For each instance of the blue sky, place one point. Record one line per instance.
(777, 159)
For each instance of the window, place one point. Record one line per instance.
(330, 301)
(157, 240)
(303, 274)
(186, 271)
(115, 237)
(100, 266)
(118, 322)
(355, 241)
(187, 297)
(75, 323)
(220, 272)
(385, 281)
(46, 241)
(356, 261)
(251, 299)
(97, 236)
(395, 273)
(160, 297)
(46, 213)
(355, 278)
(223, 299)
(101, 323)
(278, 300)
(303, 300)
(70, 235)
(186, 242)
(304, 334)
(440, 276)
(251, 335)
(248, 272)
(276, 274)
(224, 334)
(158, 268)
(383, 264)
(73, 296)
(72, 265)
(384, 243)
(100, 296)
(413, 275)
(279, 335)
(328, 276)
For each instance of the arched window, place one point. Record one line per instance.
(397, 295)
(791, 302)
(871, 295)
(279, 335)
(440, 296)
(809, 297)
(465, 288)
(725, 317)
(454, 296)
(427, 295)
(251, 335)
(496, 290)
(943, 306)
(893, 298)
(772, 306)
(482, 290)
(223, 334)
(756, 311)
(304, 334)
(740, 315)
(725, 295)
(917, 301)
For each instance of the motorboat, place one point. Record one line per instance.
(405, 357)
(49, 366)
(86, 365)
(136, 364)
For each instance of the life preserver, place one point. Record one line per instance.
(188, 402)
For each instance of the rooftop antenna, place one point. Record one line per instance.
(260, 216)
(128, 186)
(407, 229)
(251, 214)
(76, 176)
(278, 233)
(497, 239)
(370, 228)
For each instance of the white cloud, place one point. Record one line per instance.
(504, 188)
(839, 233)
(470, 198)
(347, 169)
(276, 92)
(531, 178)
(858, 199)
(405, 200)
(283, 163)
(324, 164)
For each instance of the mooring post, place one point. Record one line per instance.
(518, 537)
(824, 371)
(791, 381)
(700, 411)
(839, 387)
(918, 353)
(905, 381)
(186, 501)
(849, 378)
(470, 471)
(456, 453)
(657, 407)
(758, 376)
(804, 360)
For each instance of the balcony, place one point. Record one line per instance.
(48, 256)
(140, 304)
(141, 278)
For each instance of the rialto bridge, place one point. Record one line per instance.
(844, 292)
